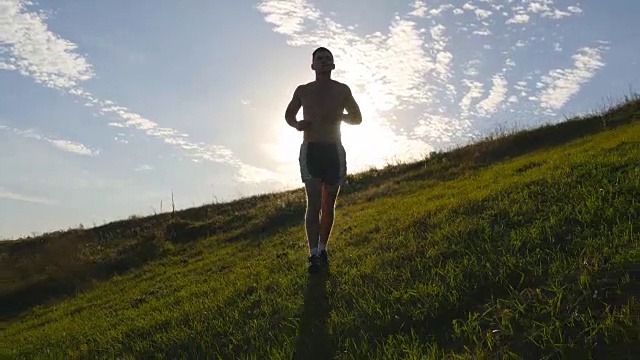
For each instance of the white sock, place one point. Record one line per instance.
(322, 247)
(314, 251)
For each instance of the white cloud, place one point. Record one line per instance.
(472, 68)
(482, 14)
(458, 11)
(546, 9)
(475, 91)
(575, 9)
(561, 84)
(497, 94)
(5, 66)
(61, 144)
(37, 52)
(519, 19)
(443, 66)
(470, 71)
(556, 14)
(557, 47)
(288, 16)
(73, 147)
(536, 6)
(443, 58)
(469, 6)
(252, 174)
(440, 127)
(144, 168)
(482, 32)
(437, 11)
(439, 39)
(9, 195)
(521, 85)
(419, 8)
(404, 76)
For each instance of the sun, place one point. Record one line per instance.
(369, 144)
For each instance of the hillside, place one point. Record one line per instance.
(523, 245)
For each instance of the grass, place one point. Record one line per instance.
(523, 245)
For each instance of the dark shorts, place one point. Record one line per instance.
(325, 161)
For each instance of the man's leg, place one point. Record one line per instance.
(313, 188)
(329, 196)
(334, 178)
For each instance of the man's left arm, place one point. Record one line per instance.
(353, 115)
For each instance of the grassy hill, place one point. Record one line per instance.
(523, 245)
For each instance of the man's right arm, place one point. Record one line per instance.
(353, 116)
(292, 109)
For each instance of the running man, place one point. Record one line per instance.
(322, 158)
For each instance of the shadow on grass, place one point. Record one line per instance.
(269, 224)
(313, 340)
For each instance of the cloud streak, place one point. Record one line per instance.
(9, 195)
(519, 19)
(559, 85)
(496, 96)
(61, 144)
(27, 46)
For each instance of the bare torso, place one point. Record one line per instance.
(323, 104)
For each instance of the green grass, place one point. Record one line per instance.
(524, 245)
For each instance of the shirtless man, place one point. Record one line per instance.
(322, 157)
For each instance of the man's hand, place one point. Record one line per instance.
(352, 119)
(303, 125)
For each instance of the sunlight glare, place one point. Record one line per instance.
(374, 143)
(370, 143)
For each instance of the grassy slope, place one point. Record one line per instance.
(469, 254)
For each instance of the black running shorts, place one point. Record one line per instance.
(323, 160)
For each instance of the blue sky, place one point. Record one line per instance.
(107, 107)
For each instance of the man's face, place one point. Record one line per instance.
(322, 62)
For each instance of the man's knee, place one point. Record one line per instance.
(330, 192)
(329, 196)
(332, 189)
(314, 204)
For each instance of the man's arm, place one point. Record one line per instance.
(353, 116)
(292, 109)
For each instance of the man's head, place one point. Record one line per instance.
(322, 60)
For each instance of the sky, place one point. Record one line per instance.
(108, 108)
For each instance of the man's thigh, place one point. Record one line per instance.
(334, 167)
(312, 165)
(313, 188)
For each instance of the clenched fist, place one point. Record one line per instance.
(303, 125)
